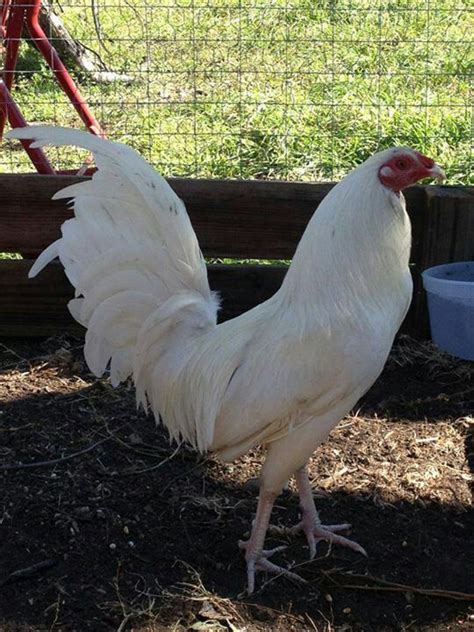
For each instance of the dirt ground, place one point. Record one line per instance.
(125, 532)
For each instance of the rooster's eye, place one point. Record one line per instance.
(402, 164)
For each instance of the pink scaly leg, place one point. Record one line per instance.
(255, 555)
(311, 525)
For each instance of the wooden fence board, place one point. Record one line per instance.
(449, 226)
(38, 307)
(232, 218)
(447, 235)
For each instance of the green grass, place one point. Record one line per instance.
(299, 90)
(10, 255)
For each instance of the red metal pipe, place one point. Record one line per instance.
(12, 41)
(15, 117)
(12, 24)
(59, 69)
(4, 15)
(13, 15)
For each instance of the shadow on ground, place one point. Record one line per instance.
(133, 533)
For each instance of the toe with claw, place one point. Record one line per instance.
(311, 525)
(258, 561)
(315, 532)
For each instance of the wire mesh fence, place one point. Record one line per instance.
(299, 90)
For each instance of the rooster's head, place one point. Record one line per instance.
(406, 166)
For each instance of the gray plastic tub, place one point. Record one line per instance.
(450, 290)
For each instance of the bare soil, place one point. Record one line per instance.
(134, 534)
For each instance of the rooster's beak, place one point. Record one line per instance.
(437, 173)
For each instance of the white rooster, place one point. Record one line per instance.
(284, 373)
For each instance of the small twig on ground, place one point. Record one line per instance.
(47, 357)
(384, 585)
(281, 613)
(197, 592)
(124, 622)
(157, 465)
(8, 350)
(22, 573)
(67, 457)
(24, 466)
(152, 451)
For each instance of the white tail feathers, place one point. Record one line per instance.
(133, 257)
(48, 254)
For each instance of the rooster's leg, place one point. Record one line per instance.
(255, 555)
(310, 523)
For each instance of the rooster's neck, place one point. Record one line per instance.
(353, 256)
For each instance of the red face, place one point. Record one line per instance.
(406, 168)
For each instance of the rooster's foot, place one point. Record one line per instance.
(258, 561)
(311, 525)
(316, 532)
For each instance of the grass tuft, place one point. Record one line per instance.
(294, 90)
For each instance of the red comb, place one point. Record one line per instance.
(425, 161)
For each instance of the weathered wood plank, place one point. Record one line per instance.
(38, 307)
(256, 219)
(449, 225)
(232, 218)
(447, 235)
(34, 307)
(29, 219)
